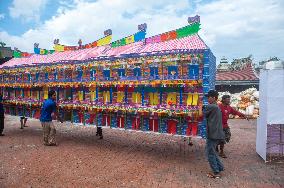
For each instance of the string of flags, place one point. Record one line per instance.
(18, 54)
(101, 42)
(192, 28)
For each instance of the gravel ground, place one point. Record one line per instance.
(127, 159)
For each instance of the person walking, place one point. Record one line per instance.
(215, 133)
(49, 108)
(23, 118)
(99, 132)
(226, 110)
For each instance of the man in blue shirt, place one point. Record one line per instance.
(49, 108)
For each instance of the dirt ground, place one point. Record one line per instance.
(127, 159)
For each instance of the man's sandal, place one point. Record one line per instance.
(222, 155)
(215, 176)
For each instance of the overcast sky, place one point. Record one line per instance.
(231, 28)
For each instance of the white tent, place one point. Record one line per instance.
(274, 65)
(270, 124)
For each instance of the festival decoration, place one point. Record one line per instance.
(179, 33)
(155, 85)
(101, 42)
(41, 51)
(130, 39)
(140, 35)
(18, 54)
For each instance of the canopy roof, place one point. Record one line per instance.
(246, 75)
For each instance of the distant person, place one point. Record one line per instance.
(23, 118)
(2, 117)
(23, 121)
(49, 108)
(189, 141)
(215, 133)
(99, 132)
(226, 110)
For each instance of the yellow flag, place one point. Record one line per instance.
(58, 48)
(42, 51)
(104, 41)
(129, 39)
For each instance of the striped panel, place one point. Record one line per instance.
(246, 74)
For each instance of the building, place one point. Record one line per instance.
(224, 65)
(239, 77)
(6, 53)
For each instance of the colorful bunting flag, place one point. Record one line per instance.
(129, 39)
(104, 41)
(179, 33)
(188, 30)
(17, 54)
(58, 48)
(139, 36)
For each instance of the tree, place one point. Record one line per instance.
(3, 44)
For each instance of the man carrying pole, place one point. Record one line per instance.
(49, 108)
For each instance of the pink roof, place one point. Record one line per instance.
(127, 49)
(57, 56)
(247, 73)
(187, 43)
